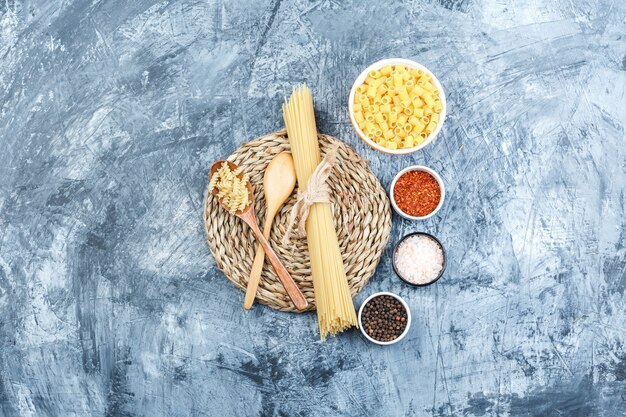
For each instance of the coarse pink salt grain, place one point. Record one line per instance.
(419, 259)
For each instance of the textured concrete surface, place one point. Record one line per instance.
(112, 111)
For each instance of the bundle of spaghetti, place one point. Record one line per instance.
(335, 309)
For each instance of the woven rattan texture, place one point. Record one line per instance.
(362, 218)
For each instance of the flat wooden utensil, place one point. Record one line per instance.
(247, 215)
(279, 181)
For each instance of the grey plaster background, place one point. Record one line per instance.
(111, 113)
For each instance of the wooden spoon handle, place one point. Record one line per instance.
(255, 276)
(290, 286)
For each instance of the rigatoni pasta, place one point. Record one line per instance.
(398, 107)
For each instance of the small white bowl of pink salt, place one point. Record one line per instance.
(419, 259)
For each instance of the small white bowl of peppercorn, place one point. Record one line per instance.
(417, 193)
(384, 318)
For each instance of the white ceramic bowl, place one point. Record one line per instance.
(417, 168)
(410, 64)
(408, 318)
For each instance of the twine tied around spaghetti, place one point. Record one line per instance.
(317, 191)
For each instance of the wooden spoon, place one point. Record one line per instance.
(278, 183)
(247, 215)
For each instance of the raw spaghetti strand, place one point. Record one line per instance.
(335, 310)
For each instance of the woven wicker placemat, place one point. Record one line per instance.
(362, 218)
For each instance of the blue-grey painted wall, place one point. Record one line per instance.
(111, 113)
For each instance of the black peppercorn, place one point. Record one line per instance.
(384, 318)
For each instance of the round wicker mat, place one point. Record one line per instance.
(362, 218)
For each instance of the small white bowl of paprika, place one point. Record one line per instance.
(417, 193)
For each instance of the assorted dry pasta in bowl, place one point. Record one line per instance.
(397, 106)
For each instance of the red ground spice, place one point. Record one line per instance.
(417, 193)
